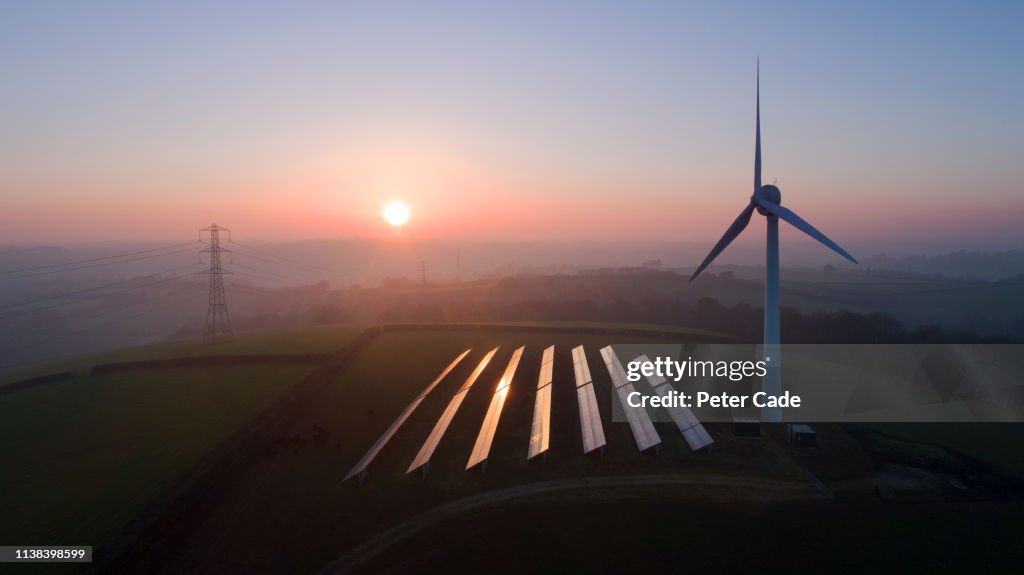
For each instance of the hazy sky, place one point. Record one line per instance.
(882, 121)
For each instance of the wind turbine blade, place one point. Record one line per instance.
(800, 224)
(757, 144)
(734, 230)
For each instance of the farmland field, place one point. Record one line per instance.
(314, 340)
(669, 533)
(994, 443)
(289, 510)
(89, 453)
(79, 458)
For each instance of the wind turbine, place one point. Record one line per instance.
(766, 200)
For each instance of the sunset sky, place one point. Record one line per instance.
(882, 121)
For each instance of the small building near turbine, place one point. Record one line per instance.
(801, 435)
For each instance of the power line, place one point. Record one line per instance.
(290, 261)
(277, 275)
(93, 259)
(106, 308)
(298, 263)
(95, 288)
(276, 263)
(281, 284)
(19, 249)
(97, 296)
(253, 290)
(86, 329)
(43, 273)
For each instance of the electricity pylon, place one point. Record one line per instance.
(218, 322)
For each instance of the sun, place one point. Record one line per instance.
(396, 213)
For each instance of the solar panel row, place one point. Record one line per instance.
(693, 431)
(425, 453)
(540, 430)
(547, 364)
(482, 447)
(639, 421)
(590, 417)
(362, 464)
(579, 366)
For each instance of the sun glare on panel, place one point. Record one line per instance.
(396, 213)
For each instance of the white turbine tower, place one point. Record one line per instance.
(766, 200)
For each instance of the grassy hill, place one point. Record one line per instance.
(310, 340)
(82, 456)
(292, 484)
(237, 465)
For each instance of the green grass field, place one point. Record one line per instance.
(79, 458)
(298, 490)
(311, 340)
(997, 444)
(621, 535)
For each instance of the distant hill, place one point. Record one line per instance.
(962, 264)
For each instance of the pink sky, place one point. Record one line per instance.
(880, 123)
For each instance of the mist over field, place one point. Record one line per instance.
(367, 261)
(128, 293)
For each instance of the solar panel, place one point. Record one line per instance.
(425, 453)
(541, 428)
(510, 370)
(540, 431)
(444, 373)
(363, 463)
(639, 421)
(547, 363)
(654, 379)
(697, 437)
(482, 447)
(476, 372)
(691, 428)
(590, 419)
(693, 431)
(579, 366)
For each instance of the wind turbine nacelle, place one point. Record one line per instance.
(772, 194)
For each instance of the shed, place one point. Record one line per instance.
(802, 435)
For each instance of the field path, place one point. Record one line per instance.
(742, 488)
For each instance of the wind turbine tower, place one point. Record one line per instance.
(767, 201)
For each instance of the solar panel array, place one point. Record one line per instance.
(590, 417)
(591, 427)
(639, 421)
(540, 430)
(363, 463)
(425, 453)
(482, 447)
(693, 431)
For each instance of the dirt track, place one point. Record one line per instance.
(744, 489)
